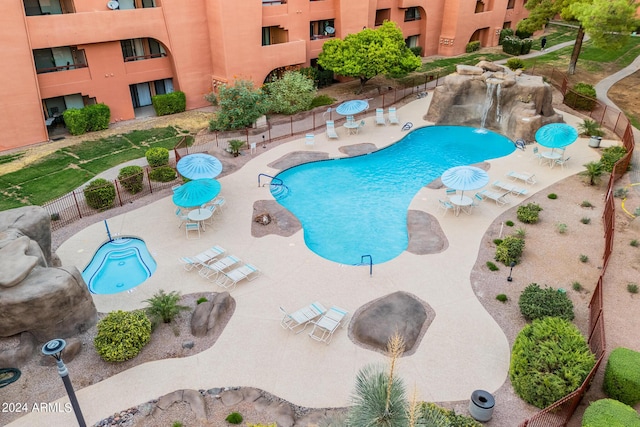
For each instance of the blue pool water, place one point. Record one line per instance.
(358, 206)
(119, 265)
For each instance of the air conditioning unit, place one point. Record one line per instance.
(113, 4)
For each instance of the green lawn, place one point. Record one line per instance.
(70, 167)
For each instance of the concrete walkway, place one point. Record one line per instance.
(463, 350)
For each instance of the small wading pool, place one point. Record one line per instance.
(119, 265)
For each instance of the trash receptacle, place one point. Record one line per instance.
(594, 141)
(481, 405)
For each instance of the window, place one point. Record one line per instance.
(163, 86)
(382, 15)
(42, 7)
(274, 35)
(479, 6)
(138, 49)
(322, 29)
(58, 59)
(511, 4)
(411, 41)
(412, 14)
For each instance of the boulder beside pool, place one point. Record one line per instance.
(49, 302)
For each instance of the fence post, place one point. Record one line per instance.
(149, 181)
(75, 199)
(115, 184)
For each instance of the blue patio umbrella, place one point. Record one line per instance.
(199, 166)
(556, 135)
(465, 178)
(350, 108)
(196, 193)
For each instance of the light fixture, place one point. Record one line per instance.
(513, 264)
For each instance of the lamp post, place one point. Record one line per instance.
(264, 144)
(513, 264)
(54, 348)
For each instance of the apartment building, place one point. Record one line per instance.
(62, 54)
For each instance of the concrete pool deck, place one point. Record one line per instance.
(463, 350)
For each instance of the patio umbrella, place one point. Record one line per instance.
(195, 193)
(556, 135)
(199, 166)
(350, 108)
(465, 178)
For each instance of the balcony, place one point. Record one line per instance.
(63, 83)
(283, 54)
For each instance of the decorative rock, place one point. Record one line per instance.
(251, 394)
(17, 356)
(231, 397)
(188, 344)
(261, 404)
(468, 70)
(168, 399)
(33, 222)
(15, 264)
(489, 66)
(283, 414)
(145, 409)
(71, 350)
(400, 312)
(425, 234)
(222, 303)
(196, 402)
(214, 391)
(263, 218)
(200, 318)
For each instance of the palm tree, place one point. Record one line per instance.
(593, 172)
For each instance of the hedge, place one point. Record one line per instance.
(157, 156)
(90, 118)
(100, 194)
(515, 46)
(505, 32)
(131, 178)
(122, 335)
(610, 413)
(169, 103)
(472, 46)
(162, 174)
(581, 97)
(536, 303)
(622, 376)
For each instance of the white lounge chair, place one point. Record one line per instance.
(324, 328)
(499, 197)
(513, 189)
(309, 140)
(526, 177)
(229, 279)
(446, 206)
(299, 319)
(211, 271)
(202, 259)
(331, 130)
(393, 118)
(380, 120)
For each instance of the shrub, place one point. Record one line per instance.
(577, 286)
(509, 223)
(169, 103)
(157, 156)
(177, 424)
(234, 147)
(581, 97)
(536, 303)
(491, 266)
(523, 34)
(635, 243)
(586, 204)
(430, 414)
(122, 334)
(505, 32)
(620, 193)
(590, 128)
(240, 106)
(234, 418)
(100, 194)
(610, 156)
(515, 63)
(509, 250)
(610, 413)
(521, 232)
(417, 50)
(162, 174)
(552, 196)
(516, 46)
(562, 228)
(497, 241)
(502, 297)
(550, 359)
(201, 300)
(131, 178)
(632, 288)
(290, 94)
(164, 307)
(473, 46)
(584, 258)
(321, 100)
(622, 376)
(529, 213)
(585, 220)
(98, 117)
(75, 121)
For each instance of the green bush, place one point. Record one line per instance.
(610, 413)
(164, 307)
(550, 359)
(98, 117)
(622, 376)
(509, 250)
(492, 267)
(417, 50)
(430, 414)
(502, 297)
(523, 34)
(581, 97)
(75, 121)
(611, 155)
(552, 196)
(234, 418)
(130, 178)
(157, 156)
(321, 100)
(515, 63)
(509, 223)
(100, 194)
(163, 174)
(473, 46)
(290, 94)
(515, 46)
(505, 32)
(169, 103)
(529, 213)
(122, 334)
(536, 303)
(201, 300)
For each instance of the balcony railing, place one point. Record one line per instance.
(273, 2)
(322, 36)
(141, 57)
(60, 68)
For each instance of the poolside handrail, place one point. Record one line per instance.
(273, 178)
(362, 257)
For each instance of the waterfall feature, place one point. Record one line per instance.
(488, 102)
(498, 113)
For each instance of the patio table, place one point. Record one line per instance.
(551, 157)
(200, 215)
(461, 203)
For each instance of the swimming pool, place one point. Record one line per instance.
(357, 206)
(119, 265)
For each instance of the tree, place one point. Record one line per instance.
(290, 94)
(368, 53)
(607, 22)
(240, 106)
(593, 171)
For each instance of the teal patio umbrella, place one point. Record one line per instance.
(556, 135)
(199, 166)
(465, 178)
(196, 193)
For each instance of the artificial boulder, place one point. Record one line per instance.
(400, 312)
(513, 105)
(33, 222)
(210, 316)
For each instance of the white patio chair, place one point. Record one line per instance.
(538, 155)
(499, 197)
(393, 118)
(477, 199)
(182, 218)
(526, 177)
(213, 270)
(380, 120)
(331, 130)
(450, 192)
(229, 279)
(299, 319)
(513, 189)
(324, 328)
(192, 226)
(360, 126)
(218, 203)
(562, 162)
(309, 140)
(446, 206)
